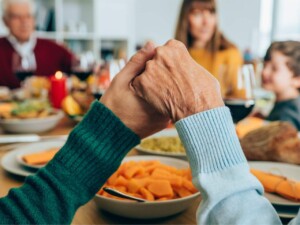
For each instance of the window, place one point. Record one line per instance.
(265, 26)
(286, 20)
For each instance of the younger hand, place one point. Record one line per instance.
(134, 111)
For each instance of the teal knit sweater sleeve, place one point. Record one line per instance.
(93, 151)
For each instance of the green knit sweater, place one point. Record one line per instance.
(94, 150)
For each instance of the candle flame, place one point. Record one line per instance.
(58, 75)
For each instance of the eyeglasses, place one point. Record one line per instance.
(15, 17)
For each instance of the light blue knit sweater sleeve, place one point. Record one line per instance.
(230, 193)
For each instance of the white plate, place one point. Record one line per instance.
(283, 169)
(21, 161)
(164, 133)
(9, 161)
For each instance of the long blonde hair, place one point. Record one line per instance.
(218, 41)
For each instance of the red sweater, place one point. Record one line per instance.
(50, 57)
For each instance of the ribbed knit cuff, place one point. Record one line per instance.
(96, 147)
(210, 141)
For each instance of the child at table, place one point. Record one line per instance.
(281, 75)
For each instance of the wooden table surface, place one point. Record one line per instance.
(89, 213)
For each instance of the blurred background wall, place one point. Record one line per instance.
(105, 25)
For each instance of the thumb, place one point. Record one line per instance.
(137, 63)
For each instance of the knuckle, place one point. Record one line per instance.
(140, 83)
(149, 66)
(143, 81)
(177, 48)
(134, 58)
(180, 45)
(138, 57)
(171, 42)
(160, 51)
(175, 43)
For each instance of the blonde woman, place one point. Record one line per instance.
(198, 29)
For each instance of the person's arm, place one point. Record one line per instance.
(230, 193)
(192, 98)
(92, 153)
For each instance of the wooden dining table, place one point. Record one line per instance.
(90, 213)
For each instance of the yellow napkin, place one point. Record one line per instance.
(40, 158)
(247, 125)
(278, 184)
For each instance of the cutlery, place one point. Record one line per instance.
(7, 139)
(119, 194)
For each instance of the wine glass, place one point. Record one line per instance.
(237, 87)
(23, 66)
(104, 75)
(84, 66)
(101, 81)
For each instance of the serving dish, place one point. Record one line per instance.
(149, 209)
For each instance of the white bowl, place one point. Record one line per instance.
(35, 125)
(148, 210)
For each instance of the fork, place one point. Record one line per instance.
(119, 194)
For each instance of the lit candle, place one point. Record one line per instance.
(58, 89)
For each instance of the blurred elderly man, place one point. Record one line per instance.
(22, 50)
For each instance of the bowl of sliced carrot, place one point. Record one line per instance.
(164, 182)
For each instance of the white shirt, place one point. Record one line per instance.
(25, 50)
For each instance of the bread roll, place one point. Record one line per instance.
(277, 141)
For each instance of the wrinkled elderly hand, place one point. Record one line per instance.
(176, 85)
(134, 111)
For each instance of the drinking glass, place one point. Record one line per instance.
(84, 66)
(237, 86)
(104, 75)
(23, 67)
(101, 81)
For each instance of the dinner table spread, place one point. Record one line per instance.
(90, 213)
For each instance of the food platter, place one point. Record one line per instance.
(283, 169)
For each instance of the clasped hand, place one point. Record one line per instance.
(158, 85)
